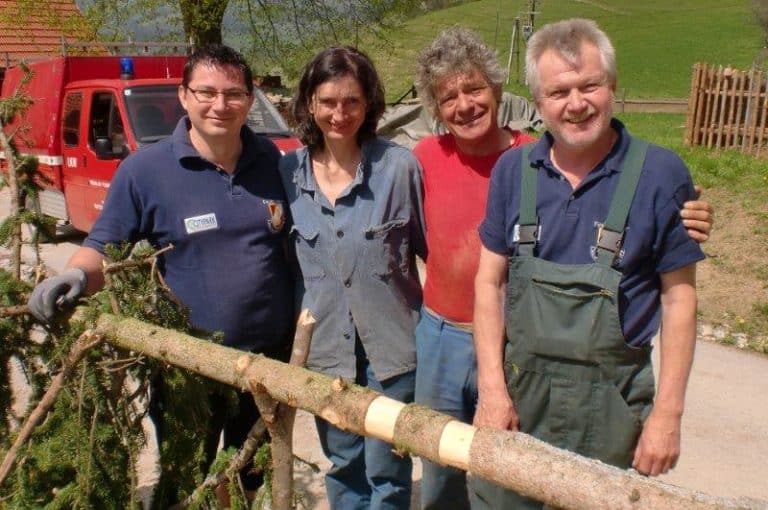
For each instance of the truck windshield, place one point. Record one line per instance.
(153, 111)
(264, 119)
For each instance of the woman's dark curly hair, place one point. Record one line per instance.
(331, 64)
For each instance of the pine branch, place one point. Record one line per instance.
(13, 184)
(256, 437)
(115, 267)
(80, 348)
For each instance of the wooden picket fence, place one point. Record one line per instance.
(728, 109)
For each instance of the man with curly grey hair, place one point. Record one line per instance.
(460, 82)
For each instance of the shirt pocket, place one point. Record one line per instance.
(308, 251)
(387, 248)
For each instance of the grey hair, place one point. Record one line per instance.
(565, 37)
(456, 50)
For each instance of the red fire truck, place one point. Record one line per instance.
(90, 112)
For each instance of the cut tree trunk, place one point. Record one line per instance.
(511, 459)
(279, 419)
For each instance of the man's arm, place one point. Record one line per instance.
(91, 262)
(659, 445)
(698, 218)
(494, 407)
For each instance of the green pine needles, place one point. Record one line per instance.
(83, 455)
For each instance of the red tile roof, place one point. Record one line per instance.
(34, 29)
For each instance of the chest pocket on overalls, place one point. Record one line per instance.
(387, 248)
(572, 315)
(309, 251)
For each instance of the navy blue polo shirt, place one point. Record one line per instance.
(655, 240)
(228, 265)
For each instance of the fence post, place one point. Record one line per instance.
(698, 135)
(712, 114)
(764, 122)
(731, 136)
(693, 97)
(746, 141)
(739, 129)
(722, 96)
(756, 93)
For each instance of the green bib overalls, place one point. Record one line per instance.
(574, 381)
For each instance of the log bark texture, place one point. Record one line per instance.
(510, 459)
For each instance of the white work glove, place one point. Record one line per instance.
(56, 293)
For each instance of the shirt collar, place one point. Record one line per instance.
(184, 150)
(304, 178)
(540, 154)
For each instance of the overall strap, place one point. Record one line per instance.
(528, 223)
(610, 235)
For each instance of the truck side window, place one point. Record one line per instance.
(73, 105)
(106, 124)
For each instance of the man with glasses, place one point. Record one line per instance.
(212, 190)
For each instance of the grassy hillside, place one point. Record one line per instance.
(657, 41)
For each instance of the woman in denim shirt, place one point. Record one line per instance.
(356, 204)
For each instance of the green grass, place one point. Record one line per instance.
(657, 41)
(742, 174)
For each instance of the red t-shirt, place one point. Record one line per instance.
(455, 194)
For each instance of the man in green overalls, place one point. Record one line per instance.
(584, 255)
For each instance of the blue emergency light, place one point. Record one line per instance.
(126, 68)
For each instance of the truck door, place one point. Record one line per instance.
(92, 158)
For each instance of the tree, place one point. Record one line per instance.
(273, 33)
(202, 20)
(285, 34)
(20, 175)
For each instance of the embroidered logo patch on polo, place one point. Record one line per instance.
(201, 223)
(276, 220)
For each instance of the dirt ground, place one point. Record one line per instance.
(734, 277)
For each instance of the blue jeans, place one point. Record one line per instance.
(446, 381)
(366, 473)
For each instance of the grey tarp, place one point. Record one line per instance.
(406, 124)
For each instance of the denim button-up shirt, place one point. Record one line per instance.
(357, 259)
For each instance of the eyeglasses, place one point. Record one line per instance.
(233, 97)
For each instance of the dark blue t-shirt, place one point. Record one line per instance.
(228, 263)
(655, 241)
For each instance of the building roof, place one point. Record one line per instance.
(32, 30)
